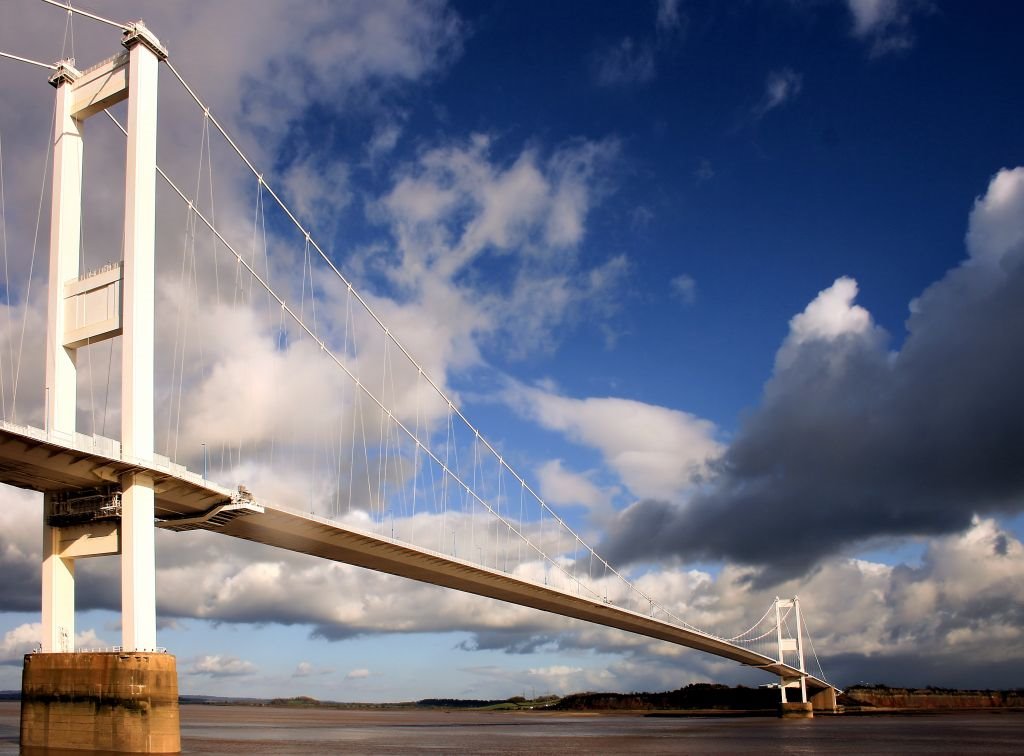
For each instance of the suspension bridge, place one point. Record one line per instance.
(364, 458)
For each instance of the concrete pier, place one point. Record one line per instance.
(796, 710)
(113, 702)
(825, 700)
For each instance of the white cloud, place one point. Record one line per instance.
(531, 203)
(384, 140)
(962, 604)
(562, 679)
(885, 23)
(831, 314)
(869, 15)
(780, 87)
(559, 486)
(656, 451)
(685, 288)
(221, 666)
(306, 669)
(995, 230)
(338, 56)
(27, 638)
(458, 206)
(829, 318)
(317, 188)
(21, 640)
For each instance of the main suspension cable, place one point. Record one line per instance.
(68, 7)
(21, 59)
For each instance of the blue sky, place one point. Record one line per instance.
(714, 278)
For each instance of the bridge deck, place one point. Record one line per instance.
(30, 458)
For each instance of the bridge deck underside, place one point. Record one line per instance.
(28, 461)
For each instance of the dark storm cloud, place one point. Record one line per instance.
(853, 441)
(19, 587)
(915, 670)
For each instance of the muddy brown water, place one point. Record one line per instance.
(219, 730)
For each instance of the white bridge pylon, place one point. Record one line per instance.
(104, 497)
(115, 302)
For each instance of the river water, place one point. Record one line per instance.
(219, 730)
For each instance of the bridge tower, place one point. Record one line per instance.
(125, 700)
(790, 643)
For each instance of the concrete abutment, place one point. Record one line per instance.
(120, 702)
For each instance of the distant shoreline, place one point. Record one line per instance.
(696, 700)
(701, 699)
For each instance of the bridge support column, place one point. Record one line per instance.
(65, 242)
(58, 590)
(58, 574)
(138, 560)
(138, 564)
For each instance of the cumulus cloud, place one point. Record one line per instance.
(27, 637)
(562, 487)
(347, 56)
(311, 56)
(996, 233)
(357, 674)
(19, 641)
(459, 207)
(656, 451)
(306, 669)
(957, 612)
(220, 666)
(961, 604)
(853, 441)
(533, 202)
